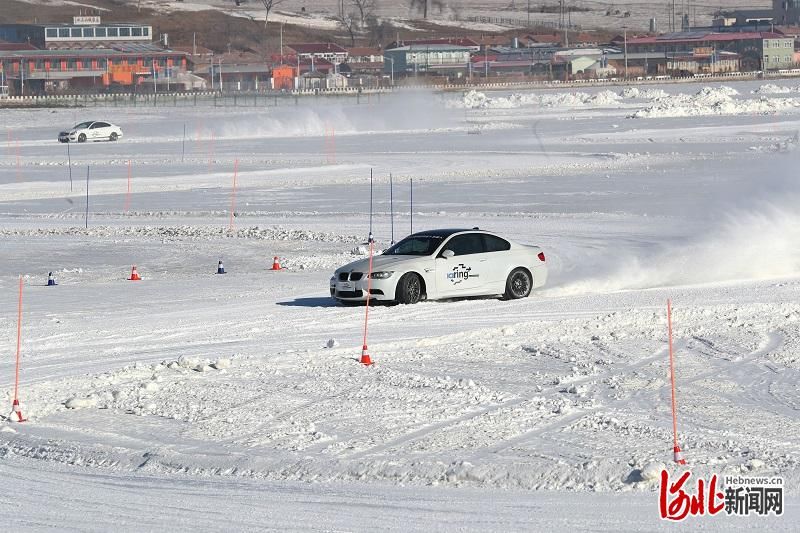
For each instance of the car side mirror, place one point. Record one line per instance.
(447, 254)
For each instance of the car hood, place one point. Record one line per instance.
(381, 262)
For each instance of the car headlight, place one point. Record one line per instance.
(381, 275)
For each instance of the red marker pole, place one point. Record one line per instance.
(676, 449)
(365, 358)
(15, 405)
(233, 193)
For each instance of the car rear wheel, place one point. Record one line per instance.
(518, 284)
(113, 136)
(409, 289)
(82, 138)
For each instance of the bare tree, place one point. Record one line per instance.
(268, 5)
(349, 22)
(422, 5)
(378, 31)
(365, 9)
(425, 5)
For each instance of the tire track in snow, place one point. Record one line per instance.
(535, 432)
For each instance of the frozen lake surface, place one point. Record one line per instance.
(215, 400)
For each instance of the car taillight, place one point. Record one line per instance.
(541, 256)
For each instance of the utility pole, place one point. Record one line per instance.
(674, 27)
(625, 39)
(529, 13)
(713, 58)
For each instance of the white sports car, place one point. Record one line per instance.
(94, 130)
(445, 263)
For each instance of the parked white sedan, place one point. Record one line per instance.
(94, 130)
(445, 263)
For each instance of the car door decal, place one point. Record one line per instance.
(460, 273)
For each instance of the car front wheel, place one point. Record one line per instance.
(82, 138)
(518, 284)
(409, 289)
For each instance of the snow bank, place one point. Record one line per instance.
(771, 88)
(643, 94)
(714, 101)
(604, 98)
(478, 100)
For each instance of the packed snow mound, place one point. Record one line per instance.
(771, 88)
(643, 94)
(604, 98)
(478, 100)
(714, 101)
(81, 403)
(723, 89)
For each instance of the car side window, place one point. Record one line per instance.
(94, 126)
(100, 125)
(496, 244)
(466, 244)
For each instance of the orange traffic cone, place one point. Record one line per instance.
(16, 410)
(134, 275)
(275, 264)
(366, 360)
(678, 455)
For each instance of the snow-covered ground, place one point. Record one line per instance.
(237, 402)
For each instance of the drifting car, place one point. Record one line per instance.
(94, 130)
(444, 263)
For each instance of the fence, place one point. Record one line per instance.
(188, 99)
(523, 23)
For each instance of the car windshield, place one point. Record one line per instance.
(82, 125)
(416, 245)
